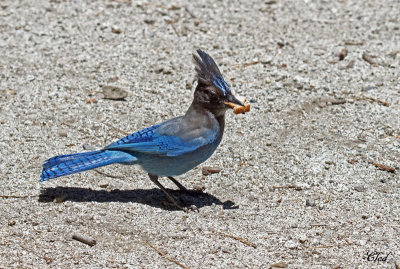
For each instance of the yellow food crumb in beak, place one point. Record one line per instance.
(241, 109)
(237, 109)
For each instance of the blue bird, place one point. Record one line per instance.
(170, 148)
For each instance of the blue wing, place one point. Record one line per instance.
(150, 141)
(144, 135)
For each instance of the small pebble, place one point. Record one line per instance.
(291, 244)
(368, 88)
(116, 30)
(342, 54)
(63, 134)
(394, 53)
(91, 100)
(302, 238)
(225, 250)
(278, 86)
(360, 188)
(88, 147)
(208, 170)
(84, 239)
(310, 202)
(114, 93)
(199, 187)
(279, 265)
(149, 21)
(103, 184)
(298, 85)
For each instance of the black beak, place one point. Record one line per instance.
(232, 101)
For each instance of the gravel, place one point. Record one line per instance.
(323, 81)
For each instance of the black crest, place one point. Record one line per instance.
(208, 72)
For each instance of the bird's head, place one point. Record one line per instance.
(212, 92)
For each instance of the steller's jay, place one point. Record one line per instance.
(170, 148)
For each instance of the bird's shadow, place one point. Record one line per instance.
(152, 197)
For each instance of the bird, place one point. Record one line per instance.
(170, 148)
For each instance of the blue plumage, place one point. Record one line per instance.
(170, 148)
(221, 84)
(163, 140)
(141, 136)
(63, 158)
(70, 164)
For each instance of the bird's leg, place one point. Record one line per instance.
(182, 188)
(170, 197)
(179, 185)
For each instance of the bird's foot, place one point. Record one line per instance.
(173, 201)
(179, 204)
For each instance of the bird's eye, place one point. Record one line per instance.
(214, 93)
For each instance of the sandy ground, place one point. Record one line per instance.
(302, 183)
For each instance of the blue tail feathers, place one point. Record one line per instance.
(63, 158)
(73, 163)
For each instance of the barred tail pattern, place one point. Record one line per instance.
(73, 163)
(63, 158)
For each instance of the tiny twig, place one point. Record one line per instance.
(363, 97)
(165, 256)
(247, 64)
(298, 188)
(86, 240)
(384, 167)
(17, 196)
(115, 128)
(173, 26)
(354, 43)
(242, 240)
(189, 12)
(338, 102)
(369, 59)
(208, 170)
(106, 174)
(350, 64)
